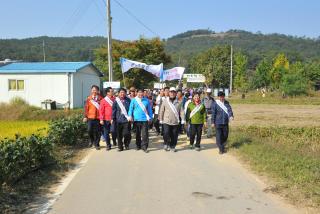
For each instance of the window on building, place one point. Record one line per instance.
(16, 85)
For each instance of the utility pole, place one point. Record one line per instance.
(109, 41)
(43, 51)
(231, 66)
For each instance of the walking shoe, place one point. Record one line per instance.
(198, 149)
(220, 152)
(165, 147)
(120, 150)
(191, 146)
(173, 150)
(97, 148)
(127, 148)
(90, 144)
(108, 148)
(145, 150)
(138, 148)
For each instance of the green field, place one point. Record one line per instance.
(8, 129)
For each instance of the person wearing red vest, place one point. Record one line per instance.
(105, 115)
(91, 116)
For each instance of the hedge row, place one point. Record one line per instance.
(20, 156)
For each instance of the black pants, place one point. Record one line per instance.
(94, 131)
(142, 134)
(114, 135)
(222, 132)
(170, 135)
(123, 134)
(195, 133)
(156, 123)
(106, 131)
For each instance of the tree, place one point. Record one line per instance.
(295, 82)
(214, 64)
(150, 51)
(262, 76)
(240, 69)
(280, 68)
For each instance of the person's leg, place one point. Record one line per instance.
(145, 135)
(225, 136)
(137, 126)
(96, 133)
(166, 135)
(90, 132)
(156, 124)
(106, 132)
(126, 134)
(192, 133)
(219, 135)
(120, 129)
(175, 133)
(199, 133)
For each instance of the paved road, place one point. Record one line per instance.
(165, 182)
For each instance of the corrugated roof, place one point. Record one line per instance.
(45, 67)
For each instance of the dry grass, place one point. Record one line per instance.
(276, 115)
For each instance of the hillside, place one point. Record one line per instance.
(57, 48)
(182, 47)
(255, 45)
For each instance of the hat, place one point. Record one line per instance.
(172, 89)
(209, 90)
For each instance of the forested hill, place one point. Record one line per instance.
(182, 47)
(255, 45)
(56, 48)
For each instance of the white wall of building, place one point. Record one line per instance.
(81, 85)
(37, 88)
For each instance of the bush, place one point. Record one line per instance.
(68, 131)
(22, 155)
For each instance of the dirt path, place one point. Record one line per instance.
(164, 182)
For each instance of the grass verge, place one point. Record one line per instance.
(289, 156)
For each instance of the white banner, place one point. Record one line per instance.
(173, 73)
(159, 85)
(127, 64)
(195, 77)
(111, 84)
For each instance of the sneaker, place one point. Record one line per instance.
(126, 148)
(97, 148)
(191, 146)
(165, 147)
(108, 148)
(173, 150)
(198, 149)
(220, 152)
(90, 145)
(138, 148)
(145, 150)
(120, 150)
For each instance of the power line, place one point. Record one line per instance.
(134, 17)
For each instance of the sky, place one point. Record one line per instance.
(165, 18)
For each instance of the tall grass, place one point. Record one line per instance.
(8, 129)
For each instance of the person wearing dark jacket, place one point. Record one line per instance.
(120, 116)
(221, 115)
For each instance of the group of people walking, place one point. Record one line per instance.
(170, 111)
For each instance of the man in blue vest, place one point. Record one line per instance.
(221, 115)
(140, 112)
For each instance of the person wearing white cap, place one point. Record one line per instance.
(170, 113)
(208, 100)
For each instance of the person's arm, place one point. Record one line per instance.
(204, 114)
(130, 113)
(161, 112)
(182, 115)
(101, 111)
(188, 113)
(114, 111)
(85, 112)
(214, 113)
(230, 110)
(149, 109)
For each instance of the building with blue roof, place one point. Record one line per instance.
(66, 83)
